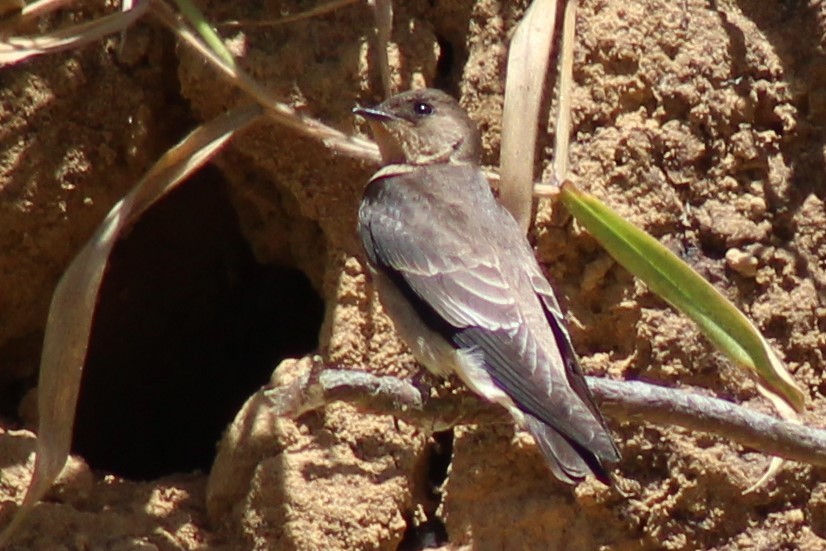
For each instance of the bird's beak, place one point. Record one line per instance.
(391, 152)
(374, 114)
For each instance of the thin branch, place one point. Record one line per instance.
(382, 396)
(620, 400)
(629, 400)
(546, 191)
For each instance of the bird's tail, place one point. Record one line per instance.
(570, 462)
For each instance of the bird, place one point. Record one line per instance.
(460, 281)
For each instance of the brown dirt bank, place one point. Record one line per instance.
(703, 123)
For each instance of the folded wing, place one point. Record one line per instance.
(461, 260)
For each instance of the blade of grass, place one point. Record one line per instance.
(306, 14)
(73, 304)
(337, 141)
(383, 14)
(11, 9)
(566, 81)
(17, 49)
(528, 57)
(42, 7)
(675, 281)
(203, 28)
(560, 173)
(15, 13)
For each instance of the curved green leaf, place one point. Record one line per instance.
(203, 28)
(676, 282)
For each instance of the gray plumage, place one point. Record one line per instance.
(461, 283)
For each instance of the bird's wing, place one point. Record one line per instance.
(600, 437)
(438, 235)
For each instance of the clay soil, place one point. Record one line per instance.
(702, 122)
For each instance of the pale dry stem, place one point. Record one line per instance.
(19, 48)
(74, 301)
(337, 141)
(383, 14)
(566, 80)
(15, 18)
(528, 59)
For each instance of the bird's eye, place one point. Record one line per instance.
(422, 108)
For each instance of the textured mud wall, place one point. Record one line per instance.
(703, 123)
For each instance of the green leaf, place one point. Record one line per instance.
(676, 282)
(208, 34)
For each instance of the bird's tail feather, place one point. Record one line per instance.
(569, 461)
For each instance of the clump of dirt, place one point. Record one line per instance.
(86, 511)
(702, 124)
(324, 481)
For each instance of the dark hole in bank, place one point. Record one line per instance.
(188, 326)
(432, 532)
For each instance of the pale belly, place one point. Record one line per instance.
(429, 348)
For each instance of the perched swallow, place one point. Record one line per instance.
(461, 283)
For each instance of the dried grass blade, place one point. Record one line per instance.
(528, 59)
(42, 7)
(15, 13)
(566, 81)
(17, 49)
(383, 14)
(10, 9)
(73, 303)
(337, 141)
(307, 14)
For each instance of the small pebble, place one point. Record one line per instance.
(741, 262)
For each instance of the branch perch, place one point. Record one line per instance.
(620, 400)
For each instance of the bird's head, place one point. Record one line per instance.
(423, 127)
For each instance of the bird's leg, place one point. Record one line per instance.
(424, 381)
